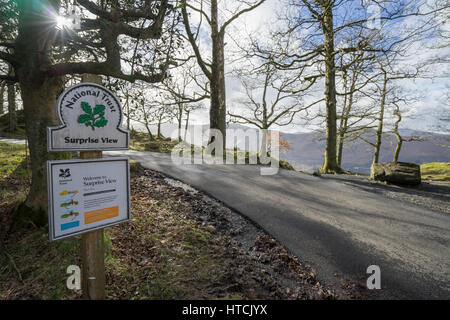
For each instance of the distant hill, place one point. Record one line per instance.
(307, 150)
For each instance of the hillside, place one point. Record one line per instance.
(307, 150)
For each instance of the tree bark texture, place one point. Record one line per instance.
(330, 164)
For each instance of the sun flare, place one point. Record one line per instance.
(62, 22)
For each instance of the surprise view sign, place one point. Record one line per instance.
(91, 118)
(86, 195)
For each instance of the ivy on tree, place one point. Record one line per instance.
(93, 118)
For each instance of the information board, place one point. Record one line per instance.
(86, 195)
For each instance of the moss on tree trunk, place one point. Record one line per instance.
(12, 118)
(2, 99)
(330, 164)
(40, 112)
(217, 112)
(39, 94)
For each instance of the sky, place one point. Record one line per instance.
(421, 114)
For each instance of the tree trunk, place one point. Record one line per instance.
(12, 119)
(376, 155)
(127, 106)
(159, 135)
(330, 164)
(39, 95)
(344, 121)
(150, 135)
(39, 100)
(187, 124)
(398, 136)
(342, 129)
(341, 138)
(2, 100)
(217, 112)
(180, 119)
(398, 148)
(263, 150)
(147, 124)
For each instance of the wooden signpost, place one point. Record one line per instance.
(91, 118)
(93, 254)
(93, 243)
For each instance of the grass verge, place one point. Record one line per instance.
(140, 142)
(436, 171)
(15, 178)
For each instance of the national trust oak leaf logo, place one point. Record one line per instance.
(94, 118)
(64, 173)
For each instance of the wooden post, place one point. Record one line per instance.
(92, 245)
(93, 254)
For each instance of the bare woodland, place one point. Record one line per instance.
(337, 64)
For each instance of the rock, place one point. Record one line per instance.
(286, 165)
(397, 173)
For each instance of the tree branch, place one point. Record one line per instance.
(237, 15)
(192, 41)
(104, 68)
(8, 78)
(8, 58)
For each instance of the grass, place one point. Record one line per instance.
(30, 266)
(436, 171)
(15, 175)
(140, 141)
(160, 254)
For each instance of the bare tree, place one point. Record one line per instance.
(214, 67)
(400, 98)
(316, 34)
(355, 116)
(272, 97)
(389, 94)
(183, 92)
(147, 107)
(397, 133)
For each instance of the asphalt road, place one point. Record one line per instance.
(336, 225)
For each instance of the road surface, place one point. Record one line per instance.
(334, 224)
